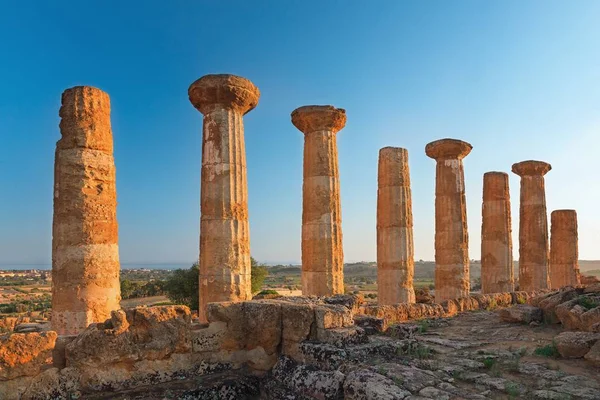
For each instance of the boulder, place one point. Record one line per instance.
(522, 313)
(548, 303)
(575, 344)
(580, 313)
(366, 384)
(593, 355)
(25, 354)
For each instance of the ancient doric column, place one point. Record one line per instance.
(224, 228)
(395, 253)
(85, 250)
(451, 235)
(496, 240)
(564, 253)
(322, 251)
(533, 226)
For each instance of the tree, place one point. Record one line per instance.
(258, 274)
(127, 288)
(182, 287)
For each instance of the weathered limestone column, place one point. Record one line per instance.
(564, 253)
(496, 235)
(224, 229)
(533, 226)
(322, 251)
(85, 251)
(395, 252)
(451, 234)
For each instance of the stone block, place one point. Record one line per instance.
(333, 316)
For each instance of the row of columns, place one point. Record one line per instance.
(85, 258)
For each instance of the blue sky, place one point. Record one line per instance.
(517, 79)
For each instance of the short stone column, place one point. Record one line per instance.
(533, 226)
(85, 250)
(322, 251)
(451, 234)
(497, 274)
(395, 252)
(224, 230)
(564, 253)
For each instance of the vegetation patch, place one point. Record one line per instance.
(587, 302)
(549, 350)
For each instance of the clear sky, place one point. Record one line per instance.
(517, 79)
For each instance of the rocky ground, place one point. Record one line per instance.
(475, 355)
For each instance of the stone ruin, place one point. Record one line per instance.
(95, 347)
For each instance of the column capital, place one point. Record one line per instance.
(444, 149)
(310, 119)
(224, 90)
(531, 168)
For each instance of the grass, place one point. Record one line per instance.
(494, 368)
(512, 389)
(549, 350)
(416, 350)
(424, 326)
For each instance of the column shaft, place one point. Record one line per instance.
(496, 242)
(85, 254)
(395, 253)
(564, 253)
(224, 228)
(451, 234)
(533, 235)
(322, 250)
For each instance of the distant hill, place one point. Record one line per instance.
(424, 270)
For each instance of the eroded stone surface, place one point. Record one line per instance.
(564, 253)
(496, 235)
(24, 354)
(451, 234)
(224, 227)
(322, 250)
(395, 252)
(533, 226)
(85, 253)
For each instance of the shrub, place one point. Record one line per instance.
(549, 350)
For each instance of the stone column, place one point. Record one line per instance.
(85, 250)
(533, 226)
(496, 235)
(322, 251)
(224, 229)
(395, 253)
(451, 234)
(564, 253)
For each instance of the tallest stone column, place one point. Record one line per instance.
(322, 251)
(224, 229)
(451, 235)
(85, 250)
(533, 226)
